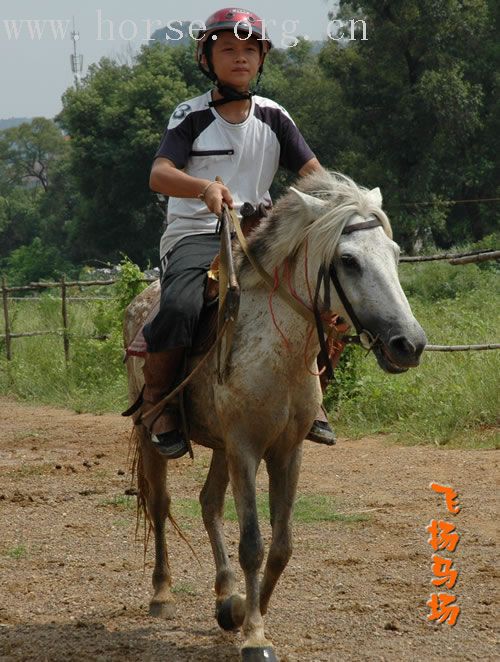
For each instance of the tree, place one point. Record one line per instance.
(116, 119)
(293, 78)
(420, 102)
(28, 152)
(31, 262)
(33, 194)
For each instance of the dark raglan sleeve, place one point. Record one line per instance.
(294, 150)
(176, 141)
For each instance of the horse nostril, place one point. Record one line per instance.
(420, 348)
(402, 346)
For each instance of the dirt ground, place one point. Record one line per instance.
(73, 587)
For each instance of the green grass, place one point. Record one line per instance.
(26, 470)
(185, 588)
(309, 508)
(17, 552)
(95, 378)
(120, 502)
(452, 398)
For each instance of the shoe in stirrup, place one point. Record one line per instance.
(322, 433)
(171, 445)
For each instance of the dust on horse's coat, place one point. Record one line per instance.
(267, 403)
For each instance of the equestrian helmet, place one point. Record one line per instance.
(229, 18)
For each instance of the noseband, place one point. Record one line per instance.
(363, 337)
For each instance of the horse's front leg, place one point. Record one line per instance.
(242, 471)
(212, 508)
(283, 473)
(152, 484)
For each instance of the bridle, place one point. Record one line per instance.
(364, 337)
(313, 315)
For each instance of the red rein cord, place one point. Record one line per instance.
(271, 294)
(330, 318)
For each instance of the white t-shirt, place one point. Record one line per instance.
(246, 156)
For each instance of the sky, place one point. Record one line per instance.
(35, 66)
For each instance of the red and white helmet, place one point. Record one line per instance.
(235, 19)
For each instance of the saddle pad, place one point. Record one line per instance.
(138, 346)
(204, 335)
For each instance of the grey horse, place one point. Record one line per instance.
(268, 400)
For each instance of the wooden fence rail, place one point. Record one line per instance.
(65, 332)
(455, 258)
(63, 285)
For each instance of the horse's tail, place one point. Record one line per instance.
(143, 515)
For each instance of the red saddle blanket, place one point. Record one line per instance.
(207, 325)
(138, 346)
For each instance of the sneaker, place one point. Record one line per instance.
(171, 445)
(322, 433)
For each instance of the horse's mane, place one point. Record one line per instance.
(280, 235)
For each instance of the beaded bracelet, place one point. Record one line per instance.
(203, 193)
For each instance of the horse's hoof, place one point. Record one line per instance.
(258, 654)
(163, 610)
(228, 611)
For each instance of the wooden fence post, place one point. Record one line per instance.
(8, 350)
(65, 319)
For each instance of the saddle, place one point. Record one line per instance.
(207, 326)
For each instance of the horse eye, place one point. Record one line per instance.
(350, 262)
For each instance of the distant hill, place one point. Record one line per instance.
(170, 36)
(13, 121)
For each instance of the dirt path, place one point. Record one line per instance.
(72, 585)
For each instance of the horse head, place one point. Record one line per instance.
(350, 237)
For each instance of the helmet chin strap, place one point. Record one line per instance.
(228, 93)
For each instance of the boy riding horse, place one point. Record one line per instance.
(231, 132)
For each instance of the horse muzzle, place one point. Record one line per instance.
(400, 352)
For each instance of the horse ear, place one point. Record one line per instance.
(375, 196)
(314, 206)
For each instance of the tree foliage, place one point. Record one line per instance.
(115, 120)
(33, 197)
(413, 109)
(421, 93)
(28, 152)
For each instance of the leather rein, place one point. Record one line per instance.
(313, 316)
(325, 275)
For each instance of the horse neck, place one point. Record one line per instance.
(284, 331)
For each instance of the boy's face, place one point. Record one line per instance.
(236, 61)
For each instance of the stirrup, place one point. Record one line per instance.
(171, 445)
(322, 433)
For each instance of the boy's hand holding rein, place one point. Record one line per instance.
(214, 194)
(167, 179)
